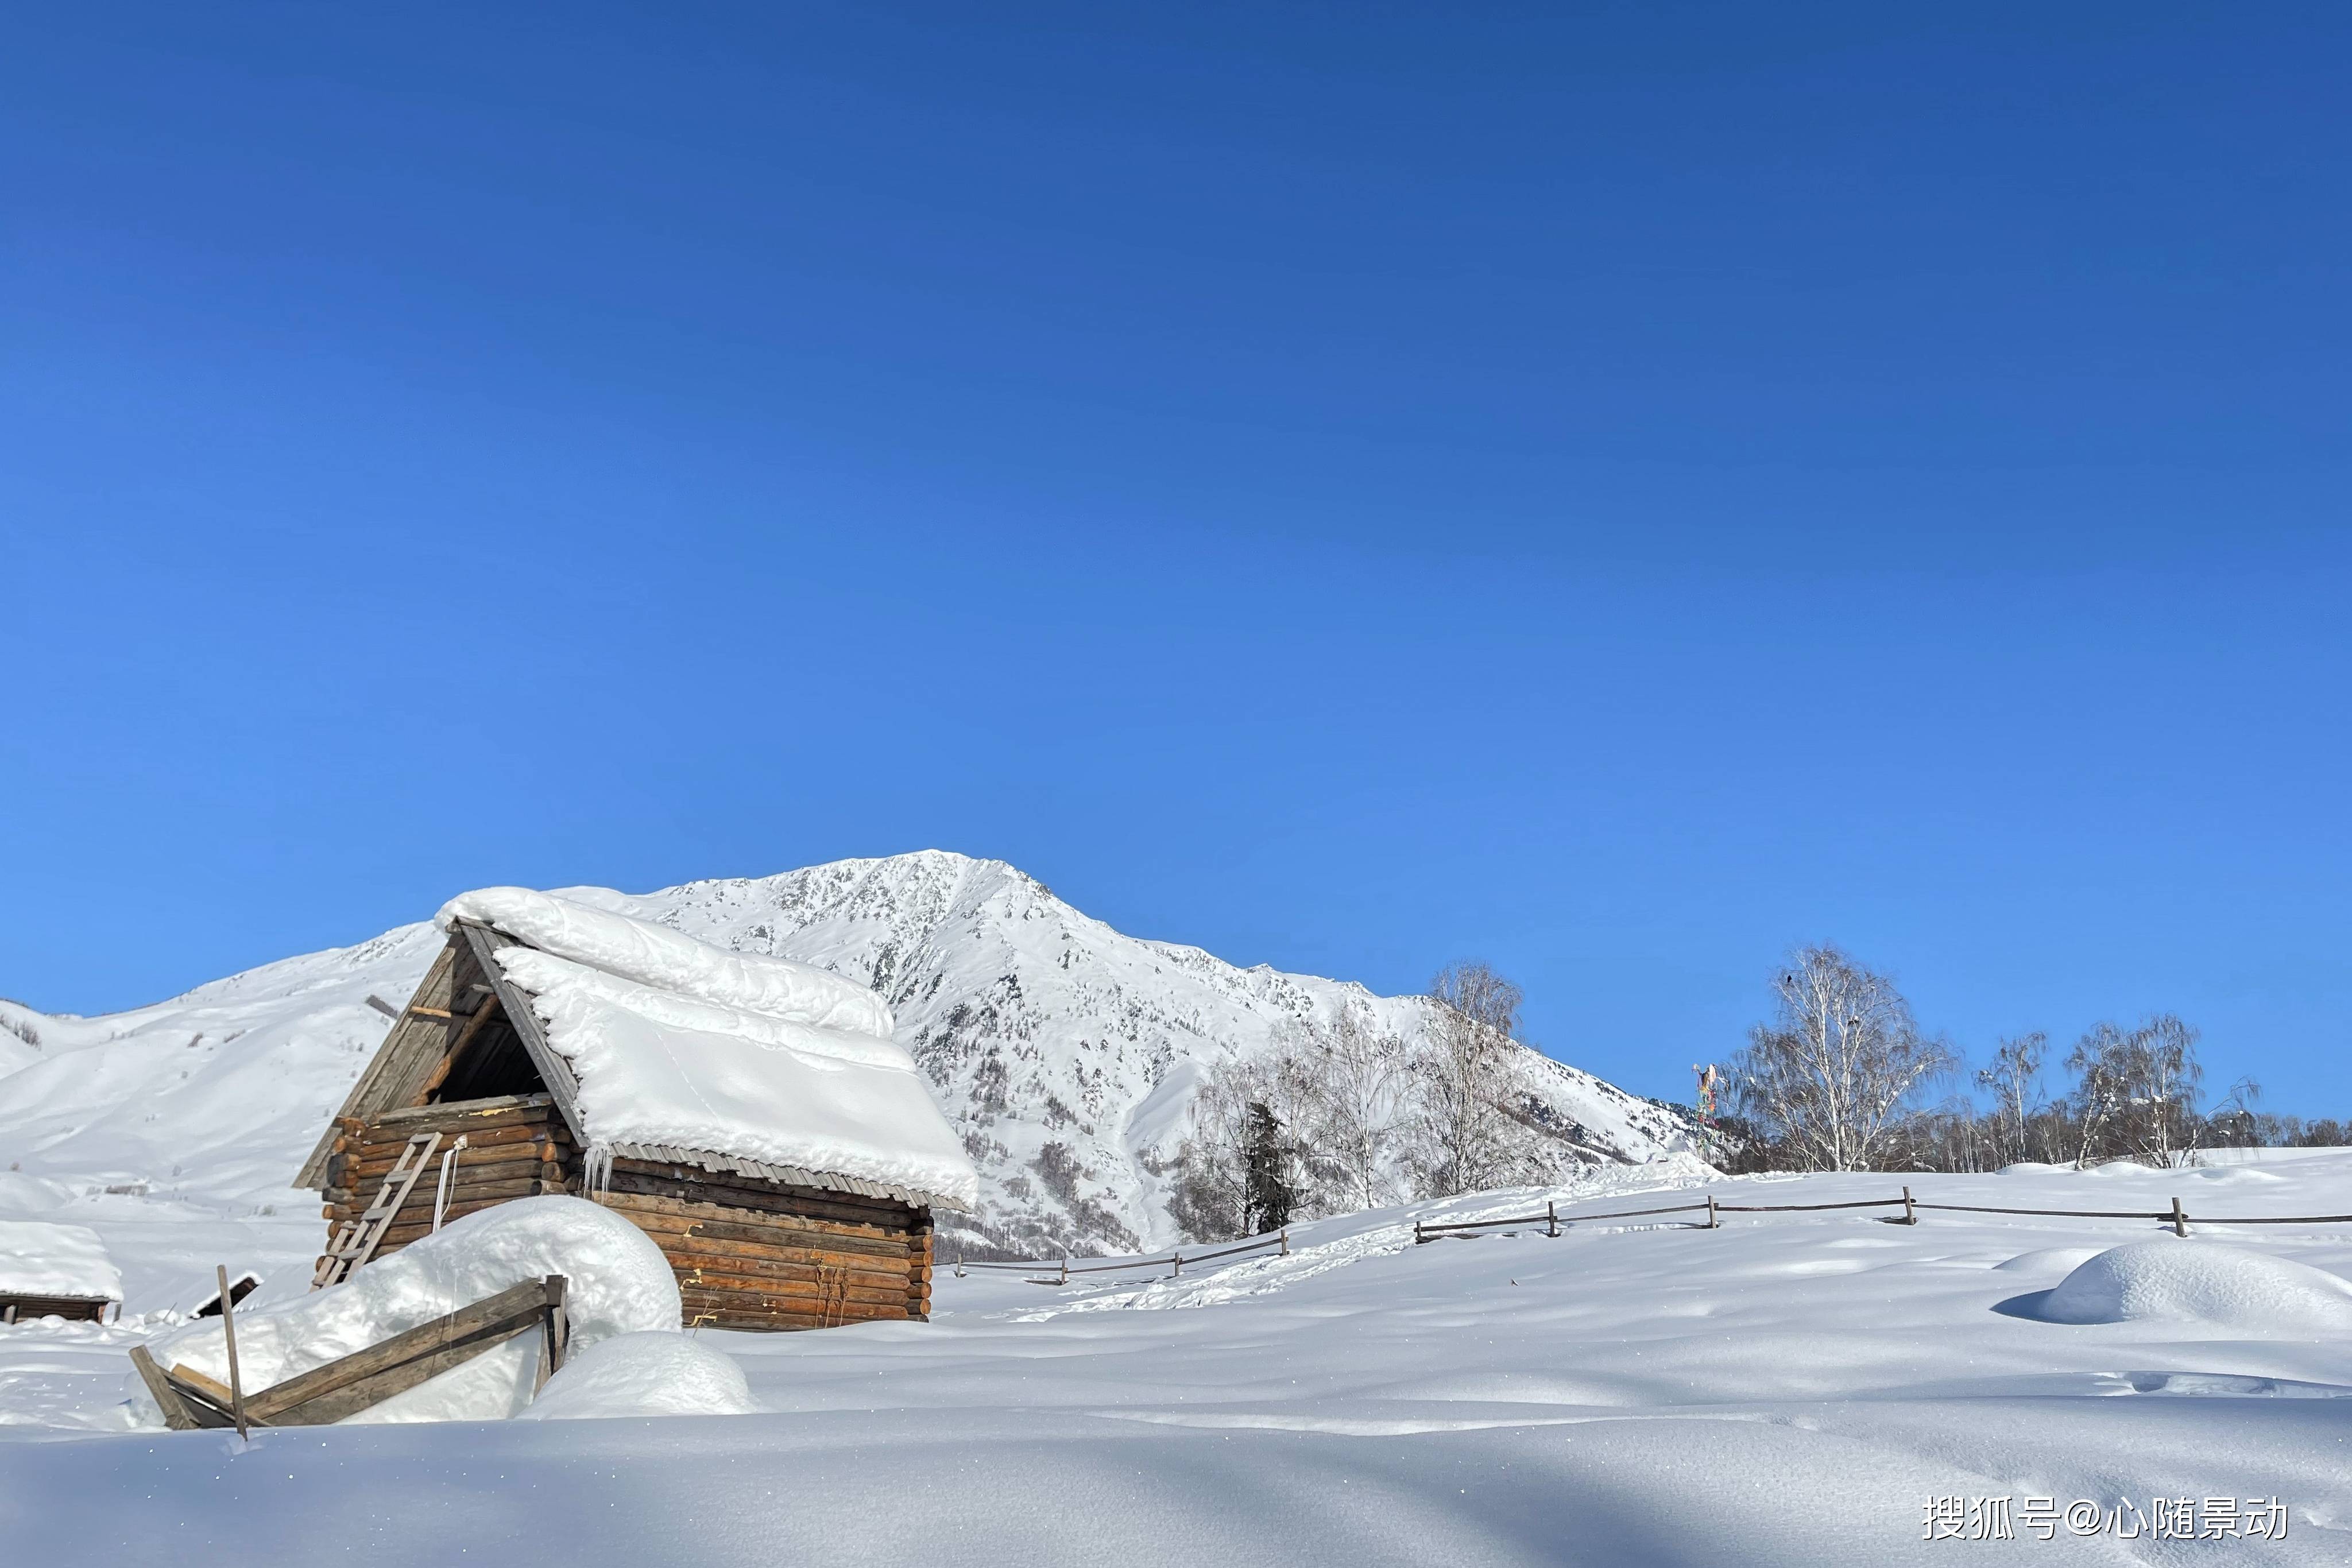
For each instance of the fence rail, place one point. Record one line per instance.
(1551, 1220)
(1062, 1271)
(1175, 1261)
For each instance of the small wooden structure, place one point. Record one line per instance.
(22, 1307)
(54, 1271)
(467, 1074)
(350, 1383)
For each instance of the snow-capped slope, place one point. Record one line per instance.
(1065, 1053)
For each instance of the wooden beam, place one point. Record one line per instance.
(463, 1116)
(385, 1367)
(176, 1414)
(440, 1075)
(553, 1069)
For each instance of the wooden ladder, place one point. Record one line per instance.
(355, 1240)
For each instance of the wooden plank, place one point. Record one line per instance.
(755, 1322)
(176, 1414)
(464, 1116)
(211, 1388)
(519, 1166)
(478, 1136)
(512, 1162)
(726, 1186)
(329, 1408)
(699, 1283)
(722, 1223)
(766, 1202)
(749, 1311)
(679, 1248)
(425, 1339)
(554, 1070)
(894, 1280)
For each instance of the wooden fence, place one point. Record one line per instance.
(1552, 1219)
(1173, 1262)
(1062, 1271)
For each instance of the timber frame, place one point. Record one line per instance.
(754, 1245)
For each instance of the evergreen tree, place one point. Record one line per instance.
(1268, 1194)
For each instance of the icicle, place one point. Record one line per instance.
(596, 1171)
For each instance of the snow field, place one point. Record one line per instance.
(1789, 1389)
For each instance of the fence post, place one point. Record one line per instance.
(2180, 1220)
(228, 1332)
(960, 1265)
(1416, 1233)
(1551, 1217)
(1910, 1215)
(1285, 1241)
(1177, 1259)
(1712, 1221)
(1066, 1269)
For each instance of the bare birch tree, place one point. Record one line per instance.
(1360, 1076)
(2014, 1082)
(1464, 1136)
(2136, 1091)
(1830, 1078)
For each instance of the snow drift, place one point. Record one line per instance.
(2200, 1281)
(618, 1283)
(645, 1375)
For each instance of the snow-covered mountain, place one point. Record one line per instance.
(1066, 1053)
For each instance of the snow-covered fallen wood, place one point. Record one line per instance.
(617, 1283)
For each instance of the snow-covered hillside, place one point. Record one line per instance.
(1065, 1053)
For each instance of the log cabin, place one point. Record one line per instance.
(750, 1113)
(54, 1271)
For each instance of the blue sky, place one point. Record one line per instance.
(1619, 491)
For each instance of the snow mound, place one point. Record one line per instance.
(37, 1258)
(618, 1283)
(647, 1374)
(2043, 1258)
(671, 960)
(2200, 1281)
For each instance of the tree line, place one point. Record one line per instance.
(1343, 1115)
(1841, 1078)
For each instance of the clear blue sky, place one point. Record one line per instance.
(1615, 489)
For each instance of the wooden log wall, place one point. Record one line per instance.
(753, 1254)
(514, 1148)
(748, 1253)
(25, 1309)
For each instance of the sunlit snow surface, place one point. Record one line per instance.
(1789, 1389)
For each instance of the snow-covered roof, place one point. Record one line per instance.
(678, 1045)
(37, 1258)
